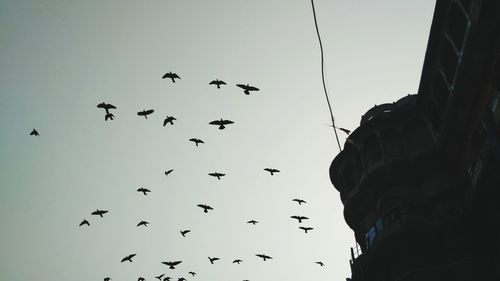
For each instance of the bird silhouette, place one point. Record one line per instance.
(144, 190)
(247, 88)
(192, 273)
(217, 175)
(213, 259)
(254, 222)
(159, 276)
(306, 229)
(171, 75)
(217, 82)
(205, 207)
(272, 170)
(196, 141)
(141, 279)
(184, 232)
(99, 213)
(171, 264)
(167, 278)
(237, 261)
(107, 279)
(221, 123)
(320, 263)
(128, 258)
(107, 107)
(169, 119)
(300, 201)
(181, 279)
(84, 222)
(34, 133)
(299, 218)
(108, 116)
(264, 257)
(145, 223)
(145, 113)
(168, 172)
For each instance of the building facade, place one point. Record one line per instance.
(420, 177)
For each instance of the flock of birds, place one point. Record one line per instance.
(169, 120)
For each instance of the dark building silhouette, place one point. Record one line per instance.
(420, 177)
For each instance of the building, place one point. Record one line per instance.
(420, 177)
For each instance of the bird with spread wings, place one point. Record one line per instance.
(171, 75)
(221, 123)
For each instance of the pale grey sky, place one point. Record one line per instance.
(59, 59)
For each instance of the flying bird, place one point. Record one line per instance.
(167, 278)
(84, 222)
(192, 273)
(141, 279)
(272, 170)
(299, 218)
(99, 213)
(145, 223)
(107, 279)
(34, 133)
(171, 264)
(300, 201)
(320, 263)
(181, 279)
(168, 172)
(145, 113)
(254, 222)
(172, 76)
(247, 88)
(196, 141)
(217, 82)
(144, 190)
(108, 116)
(306, 228)
(159, 276)
(213, 259)
(205, 207)
(217, 175)
(221, 123)
(237, 261)
(184, 232)
(264, 257)
(106, 106)
(169, 119)
(128, 258)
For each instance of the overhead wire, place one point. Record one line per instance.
(323, 74)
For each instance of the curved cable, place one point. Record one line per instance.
(323, 75)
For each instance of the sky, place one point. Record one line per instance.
(59, 59)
